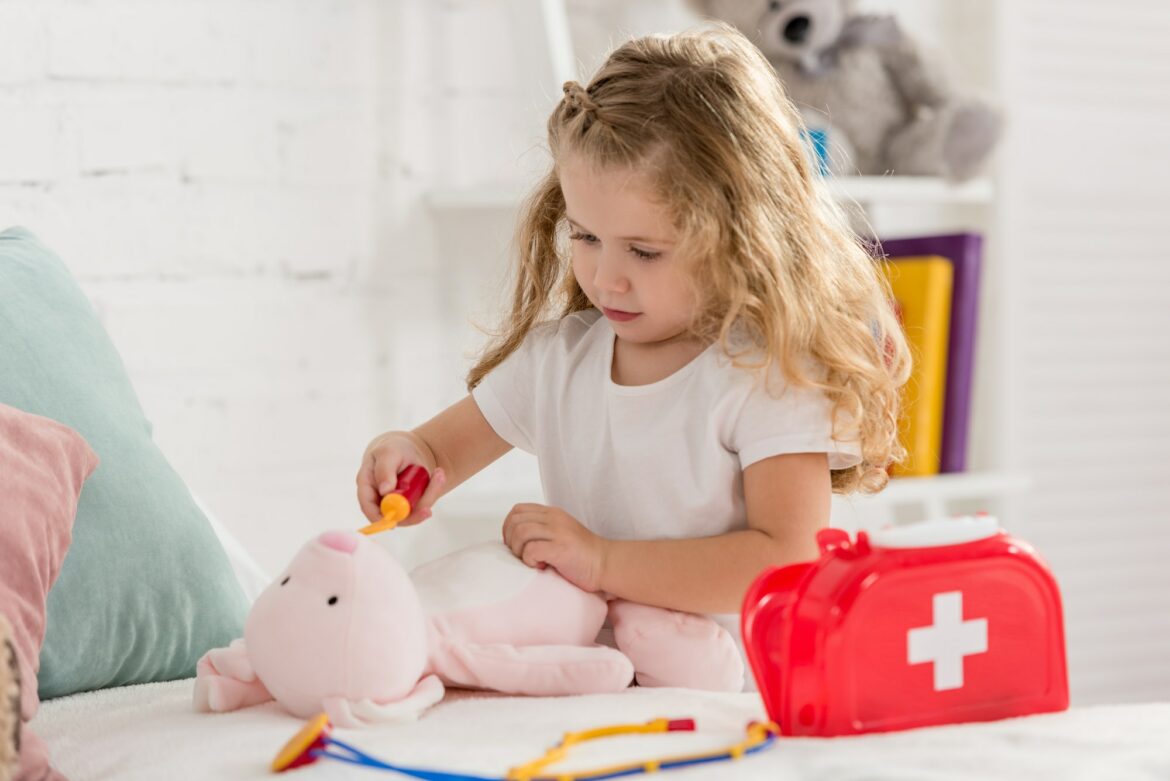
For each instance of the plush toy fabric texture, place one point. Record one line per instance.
(43, 465)
(146, 588)
(345, 630)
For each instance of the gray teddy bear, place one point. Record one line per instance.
(864, 81)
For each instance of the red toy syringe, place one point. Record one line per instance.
(397, 504)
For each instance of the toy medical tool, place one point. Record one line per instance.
(930, 623)
(396, 505)
(313, 742)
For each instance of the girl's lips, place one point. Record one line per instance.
(619, 315)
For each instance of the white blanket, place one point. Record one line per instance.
(151, 732)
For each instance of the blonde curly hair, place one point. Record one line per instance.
(703, 114)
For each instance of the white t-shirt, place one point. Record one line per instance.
(646, 462)
(657, 461)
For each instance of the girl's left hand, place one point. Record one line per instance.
(543, 536)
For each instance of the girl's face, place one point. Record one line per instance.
(625, 253)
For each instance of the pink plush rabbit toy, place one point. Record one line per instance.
(345, 630)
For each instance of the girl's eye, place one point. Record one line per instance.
(589, 238)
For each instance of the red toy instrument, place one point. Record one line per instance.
(932, 623)
(396, 505)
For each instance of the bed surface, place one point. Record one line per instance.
(151, 732)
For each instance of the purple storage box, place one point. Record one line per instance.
(965, 252)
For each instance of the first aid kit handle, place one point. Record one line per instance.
(937, 532)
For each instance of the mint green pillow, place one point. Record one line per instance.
(146, 587)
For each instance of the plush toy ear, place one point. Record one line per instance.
(360, 713)
(536, 670)
(744, 15)
(701, 7)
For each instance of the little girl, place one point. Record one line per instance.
(698, 351)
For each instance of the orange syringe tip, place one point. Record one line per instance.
(395, 507)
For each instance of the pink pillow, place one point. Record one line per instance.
(43, 465)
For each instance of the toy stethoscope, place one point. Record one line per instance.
(313, 742)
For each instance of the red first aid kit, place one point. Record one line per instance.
(931, 623)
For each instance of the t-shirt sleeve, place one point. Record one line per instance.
(506, 395)
(796, 420)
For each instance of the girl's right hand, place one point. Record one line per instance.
(383, 460)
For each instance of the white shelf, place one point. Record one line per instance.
(927, 498)
(963, 485)
(908, 189)
(868, 190)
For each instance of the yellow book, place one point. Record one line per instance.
(922, 296)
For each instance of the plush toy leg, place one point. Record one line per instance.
(538, 670)
(670, 648)
(225, 680)
(952, 141)
(361, 713)
(973, 133)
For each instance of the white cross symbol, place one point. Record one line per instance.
(947, 640)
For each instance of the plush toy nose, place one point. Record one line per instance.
(797, 29)
(343, 542)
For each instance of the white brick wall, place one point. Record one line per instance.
(240, 187)
(218, 177)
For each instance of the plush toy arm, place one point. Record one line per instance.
(360, 713)
(922, 82)
(225, 680)
(539, 670)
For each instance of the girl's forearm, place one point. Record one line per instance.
(701, 575)
(460, 441)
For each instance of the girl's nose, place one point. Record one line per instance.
(609, 276)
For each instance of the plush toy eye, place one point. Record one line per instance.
(286, 577)
(332, 600)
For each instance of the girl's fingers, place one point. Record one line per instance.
(535, 553)
(510, 524)
(422, 508)
(434, 489)
(525, 511)
(366, 494)
(417, 517)
(386, 471)
(368, 501)
(522, 532)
